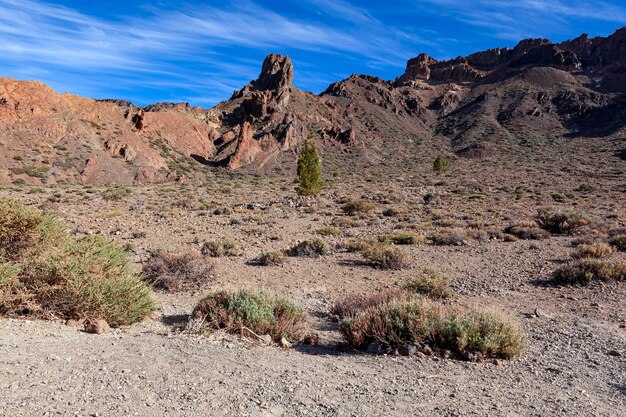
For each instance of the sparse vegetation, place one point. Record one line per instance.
(449, 237)
(311, 248)
(357, 207)
(248, 310)
(593, 250)
(440, 165)
(424, 322)
(173, 272)
(45, 273)
(401, 238)
(430, 284)
(328, 231)
(557, 222)
(584, 271)
(309, 170)
(618, 242)
(275, 258)
(386, 256)
(527, 230)
(217, 248)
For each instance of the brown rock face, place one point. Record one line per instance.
(276, 73)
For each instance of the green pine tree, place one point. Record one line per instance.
(309, 170)
(440, 165)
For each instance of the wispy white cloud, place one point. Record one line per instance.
(173, 47)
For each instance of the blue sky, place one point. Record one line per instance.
(201, 51)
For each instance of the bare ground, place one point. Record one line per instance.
(575, 362)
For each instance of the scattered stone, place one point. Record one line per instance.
(97, 327)
(408, 349)
(284, 343)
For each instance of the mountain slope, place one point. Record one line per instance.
(499, 100)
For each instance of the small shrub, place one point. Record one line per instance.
(430, 284)
(311, 248)
(585, 271)
(172, 273)
(386, 256)
(440, 165)
(425, 322)
(357, 207)
(351, 306)
(328, 231)
(275, 258)
(561, 222)
(90, 279)
(246, 309)
(37, 172)
(217, 248)
(353, 245)
(25, 232)
(527, 231)
(593, 250)
(401, 238)
(619, 242)
(450, 237)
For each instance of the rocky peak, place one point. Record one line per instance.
(526, 45)
(276, 73)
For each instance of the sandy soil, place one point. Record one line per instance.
(575, 362)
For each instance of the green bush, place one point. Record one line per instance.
(425, 322)
(90, 279)
(47, 274)
(440, 165)
(309, 170)
(25, 232)
(593, 250)
(256, 311)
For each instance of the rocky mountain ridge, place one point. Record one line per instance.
(492, 101)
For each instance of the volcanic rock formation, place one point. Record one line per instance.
(487, 102)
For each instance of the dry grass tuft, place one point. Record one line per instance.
(217, 248)
(173, 273)
(275, 258)
(430, 284)
(236, 312)
(358, 207)
(386, 256)
(593, 250)
(311, 248)
(450, 237)
(351, 306)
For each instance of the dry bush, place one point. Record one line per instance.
(178, 272)
(25, 232)
(584, 271)
(357, 207)
(593, 250)
(618, 242)
(311, 248)
(528, 231)
(217, 248)
(353, 245)
(430, 284)
(401, 238)
(49, 275)
(328, 231)
(425, 322)
(386, 256)
(449, 237)
(256, 311)
(351, 306)
(557, 222)
(275, 258)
